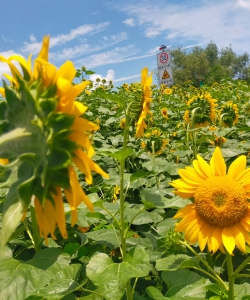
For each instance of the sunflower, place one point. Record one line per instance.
(48, 97)
(154, 135)
(204, 106)
(167, 91)
(220, 214)
(145, 102)
(164, 112)
(229, 114)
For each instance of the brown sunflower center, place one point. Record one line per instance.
(221, 201)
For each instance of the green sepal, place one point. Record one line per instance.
(59, 178)
(58, 159)
(60, 122)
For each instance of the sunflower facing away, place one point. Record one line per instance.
(145, 102)
(220, 214)
(52, 139)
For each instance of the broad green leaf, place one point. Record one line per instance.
(241, 290)
(177, 280)
(154, 293)
(139, 174)
(109, 237)
(139, 259)
(113, 98)
(111, 278)
(172, 262)
(195, 291)
(120, 155)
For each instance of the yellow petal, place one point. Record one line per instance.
(217, 163)
(184, 211)
(67, 71)
(239, 237)
(190, 176)
(2, 91)
(228, 240)
(82, 139)
(84, 125)
(203, 235)
(215, 239)
(44, 52)
(237, 167)
(205, 169)
(59, 212)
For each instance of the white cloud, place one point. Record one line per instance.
(5, 39)
(244, 3)
(32, 38)
(64, 38)
(127, 78)
(129, 22)
(117, 55)
(109, 76)
(225, 22)
(71, 53)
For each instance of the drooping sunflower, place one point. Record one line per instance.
(146, 83)
(229, 113)
(220, 214)
(167, 91)
(51, 140)
(154, 136)
(204, 106)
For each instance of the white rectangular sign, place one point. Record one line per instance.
(163, 58)
(166, 76)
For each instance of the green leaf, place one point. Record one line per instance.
(139, 259)
(109, 237)
(59, 159)
(154, 293)
(113, 98)
(177, 280)
(119, 155)
(140, 174)
(172, 262)
(12, 214)
(111, 278)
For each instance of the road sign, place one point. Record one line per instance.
(163, 58)
(166, 76)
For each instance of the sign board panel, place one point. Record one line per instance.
(166, 76)
(163, 58)
(165, 73)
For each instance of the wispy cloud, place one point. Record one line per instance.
(65, 38)
(129, 22)
(83, 49)
(109, 76)
(127, 78)
(5, 39)
(225, 22)
(117, 55)
(32, 38)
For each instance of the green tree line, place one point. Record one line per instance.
(209, 64)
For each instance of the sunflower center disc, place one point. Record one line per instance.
(221, 201)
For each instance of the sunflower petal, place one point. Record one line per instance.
(228, 239)
(217, 163)
(237, 167)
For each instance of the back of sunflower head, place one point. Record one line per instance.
(42, 133)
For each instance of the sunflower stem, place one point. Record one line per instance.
(193, 133)
(153, 153)
(230, 276)
(35, 231)
(241, 266)
(122, 200)
(214, 274)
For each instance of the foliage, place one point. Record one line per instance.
(89, 264)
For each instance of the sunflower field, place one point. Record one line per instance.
(134, 192)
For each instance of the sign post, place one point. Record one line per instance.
(164, 65)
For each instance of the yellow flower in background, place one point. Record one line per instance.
(116, 193)
(4, 161)
(164, 112)
(186, 116)
(122, 123)
(220, 214)
(168, 91)
(50, 211)
(146, 100)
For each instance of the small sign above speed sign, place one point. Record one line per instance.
(163, 58)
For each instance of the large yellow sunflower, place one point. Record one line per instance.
(146, 100)
(220, 214)
(45, 80)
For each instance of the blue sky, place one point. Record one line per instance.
(116, 39)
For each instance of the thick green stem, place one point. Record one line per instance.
(36, 237)
(230, 276)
